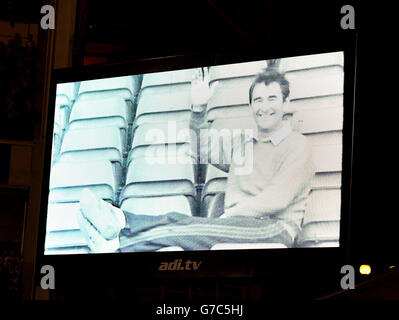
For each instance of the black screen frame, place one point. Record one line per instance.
(258, 263)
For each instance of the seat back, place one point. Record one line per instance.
(63, 233)
(215, 183)
(164, 96)
(170, 140)
(91, 144)
(95, 144)
(152, 179)
(91, 109)
(319, 117)
(157, 205)
(68, 179)
(100, 113)
(126, 88)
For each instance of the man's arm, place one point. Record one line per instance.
(206, 150)
(213, 152)
(201, 93)
(292, 177)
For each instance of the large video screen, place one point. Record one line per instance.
(225, 157)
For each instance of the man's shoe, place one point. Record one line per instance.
(96, 242)
(103, 216)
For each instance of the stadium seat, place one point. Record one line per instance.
(62, 216)
(317, 103)
(165, 142)
(312, 61)
(215, 205)
(215, 183)
(327, 180)
(316, 82)
(93, 144)
(65, 97)
(327, 158)
(236, 71)
(126, 88)
(62, 111)
(167, 78)
(67, 92)
(157, 179)
(57, 141)
(317, 87)
(67, 250)
(68, 179)
(318, 120)
(152, 179)
(100, 113)
(171, 139)
(164, 96)
(90, 109)
(164, 103)
(62, 230)
(157, 205)
(65, 239)
(322, 219)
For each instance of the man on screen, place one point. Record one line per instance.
(265, 205)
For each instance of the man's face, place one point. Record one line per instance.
(267, 105)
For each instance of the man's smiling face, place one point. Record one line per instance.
(267, 105)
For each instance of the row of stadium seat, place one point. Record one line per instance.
(109, 130)
(98, 145)
(93, 119)
(160, 174)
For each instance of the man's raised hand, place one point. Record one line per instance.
(200, 90)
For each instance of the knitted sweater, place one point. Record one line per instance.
(276, 180)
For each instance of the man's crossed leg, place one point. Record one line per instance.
(109, 229)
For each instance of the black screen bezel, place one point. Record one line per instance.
(215, 264)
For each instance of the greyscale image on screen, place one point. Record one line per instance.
(234, 156)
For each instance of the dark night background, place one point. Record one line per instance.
(125, 30)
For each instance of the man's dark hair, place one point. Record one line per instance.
(267, 77)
